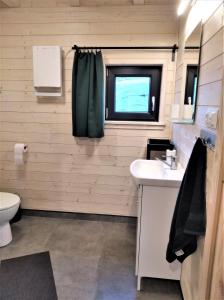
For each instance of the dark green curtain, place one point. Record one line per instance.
(87, 95)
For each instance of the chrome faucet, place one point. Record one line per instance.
(172, 165)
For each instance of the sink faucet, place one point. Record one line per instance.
(172, 165)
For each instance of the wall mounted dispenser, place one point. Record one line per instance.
(47, 71)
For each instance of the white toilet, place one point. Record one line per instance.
(9, 204)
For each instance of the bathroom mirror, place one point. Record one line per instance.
(187, 75)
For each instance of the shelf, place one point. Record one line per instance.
(182, 121)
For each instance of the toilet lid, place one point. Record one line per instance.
(8, 200)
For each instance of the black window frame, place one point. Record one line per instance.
(192, 72)
(152, 71)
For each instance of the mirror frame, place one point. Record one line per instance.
(191, 121)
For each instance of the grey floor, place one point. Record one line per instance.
(92, 260)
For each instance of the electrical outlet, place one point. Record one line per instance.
(211, 118)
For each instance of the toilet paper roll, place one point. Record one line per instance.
(19, 150)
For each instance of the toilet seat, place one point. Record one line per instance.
(8, 200)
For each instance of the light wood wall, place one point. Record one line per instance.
(197, 269)
(217, 281)
(63, 173)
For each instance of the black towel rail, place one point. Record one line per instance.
(208, 138)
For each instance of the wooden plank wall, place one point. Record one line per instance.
(61, 172)
(196, 270)
(217, 281)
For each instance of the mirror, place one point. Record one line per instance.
(187, 74)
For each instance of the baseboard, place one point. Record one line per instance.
(79, 216)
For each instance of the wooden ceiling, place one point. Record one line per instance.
(19, 3)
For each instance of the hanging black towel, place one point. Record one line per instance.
(189, 218)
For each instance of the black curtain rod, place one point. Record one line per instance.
(140, 47)
(174, 48)
(75, 47)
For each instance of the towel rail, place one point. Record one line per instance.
(207, 144)
(208, 138)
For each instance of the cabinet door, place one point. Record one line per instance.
(139, 203)
(158, 205)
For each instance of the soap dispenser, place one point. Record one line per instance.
(168, 156)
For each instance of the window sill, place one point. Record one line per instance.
(134, 125)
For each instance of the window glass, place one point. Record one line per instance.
(195, 89)
(191, 84)
(132, 94)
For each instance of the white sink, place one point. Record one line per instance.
(155, 173)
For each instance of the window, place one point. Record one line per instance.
(133, 93)
(191, 84)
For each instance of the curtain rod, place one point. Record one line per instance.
(174, 48)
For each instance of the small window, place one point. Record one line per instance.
(191, 84)
(133, 93)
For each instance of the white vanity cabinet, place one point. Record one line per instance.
(155, 210)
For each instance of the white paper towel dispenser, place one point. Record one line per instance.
(47, 70)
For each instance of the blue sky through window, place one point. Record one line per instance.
(132, 94)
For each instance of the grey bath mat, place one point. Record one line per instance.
(28, 277)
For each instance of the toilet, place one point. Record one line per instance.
(9, 204)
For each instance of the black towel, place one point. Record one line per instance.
(189, 218)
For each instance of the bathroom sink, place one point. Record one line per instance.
(155, 173)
